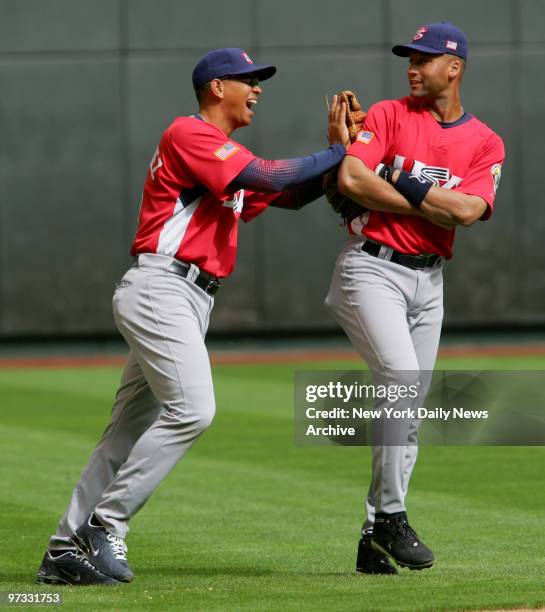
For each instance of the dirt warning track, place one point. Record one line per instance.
(246, 357)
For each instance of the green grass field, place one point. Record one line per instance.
(249, 521)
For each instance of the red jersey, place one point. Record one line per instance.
(465, 155)
(187, 211)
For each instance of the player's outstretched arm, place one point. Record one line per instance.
(275, 175)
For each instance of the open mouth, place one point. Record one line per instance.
(250, 104)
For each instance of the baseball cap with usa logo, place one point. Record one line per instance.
(436, 38)
(230, 61)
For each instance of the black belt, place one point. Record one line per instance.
(208, 283)
(415, 262)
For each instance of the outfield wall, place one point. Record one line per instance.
(87, 88)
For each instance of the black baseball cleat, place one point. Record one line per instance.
(71, 568)
(106, 551)
(371, 561)
(393, 536)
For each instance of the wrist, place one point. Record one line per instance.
(338, 148)
(412, 188)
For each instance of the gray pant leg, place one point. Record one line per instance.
(372, 300)
(411, 453)
(371, 308)
(425, 327)
(134, 410)
(163, 319)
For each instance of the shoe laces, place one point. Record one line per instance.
(118, 546)
(405, 530)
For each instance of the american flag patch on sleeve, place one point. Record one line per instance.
(365, 137)
(226, 151)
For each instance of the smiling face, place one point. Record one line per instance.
(240, 97)
(229, 102)
(431, 76)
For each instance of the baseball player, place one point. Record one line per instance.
(199, 184)
(421, 166)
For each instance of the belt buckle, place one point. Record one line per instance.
(430, 260)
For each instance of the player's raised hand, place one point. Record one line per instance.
(337, 132)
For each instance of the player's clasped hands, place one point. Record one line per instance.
(337, 132)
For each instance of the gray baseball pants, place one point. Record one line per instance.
(165, 400)
(392, 315)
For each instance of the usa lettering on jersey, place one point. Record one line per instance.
(439, 176)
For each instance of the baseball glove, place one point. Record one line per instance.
(354, 115)
(347, 208)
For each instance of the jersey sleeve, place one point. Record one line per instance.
(376, 136)
(484, 175)
(211, 158)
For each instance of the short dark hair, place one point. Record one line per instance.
(202, 91)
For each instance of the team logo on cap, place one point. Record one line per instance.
(420, 33)
(247, 57)
(365, 137)
(496, 175)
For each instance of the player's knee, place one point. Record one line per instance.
(194, 412)
(193, 422)
(201, 408)
(205, 418)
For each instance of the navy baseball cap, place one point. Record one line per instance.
(436, 38)
(228, 62)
